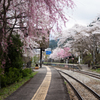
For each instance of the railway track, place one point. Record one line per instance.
(85, 93)
(90, 74)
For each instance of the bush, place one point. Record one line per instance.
(70, 61)
(96, 70)
(73, 61)
(26, 72)
(14, 75)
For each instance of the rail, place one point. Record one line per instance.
(90, 74)
(93, 92)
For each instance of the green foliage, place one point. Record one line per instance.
(14, 63)
(6, 91)
(46, 57)
(87, 59)
(26, 72)
(10, 77)
(35, 60)
(14, 75)
(14, 58)
(45, 62)
(96, 70)
(65, 82)
(73, 61)
(70, 61)
(97, 58)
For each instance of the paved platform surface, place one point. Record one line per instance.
(46, 85)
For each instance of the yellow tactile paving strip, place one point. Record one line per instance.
(43, 89)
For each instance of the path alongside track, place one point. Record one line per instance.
(46, 85)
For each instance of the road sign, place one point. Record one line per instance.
(48, 52)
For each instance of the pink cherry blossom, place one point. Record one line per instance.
(60, 53)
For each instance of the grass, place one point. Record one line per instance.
(4, 92)
(96, 70)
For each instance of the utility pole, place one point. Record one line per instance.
(40, 57)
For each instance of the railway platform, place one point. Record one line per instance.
(47, 84)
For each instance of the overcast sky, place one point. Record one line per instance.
(84, 12)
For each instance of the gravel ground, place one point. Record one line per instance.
(93, 83)
(71, 93)
(86, 95)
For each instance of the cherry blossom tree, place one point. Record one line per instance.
(83, 40)
(70, 34)
(60, 53)
(27, 18)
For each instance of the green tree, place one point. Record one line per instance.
(14, 58)
(87, 59)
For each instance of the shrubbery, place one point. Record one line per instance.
(73, 61)
(26, 72)
(13, 71)
(14, 75)
(14, 57)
